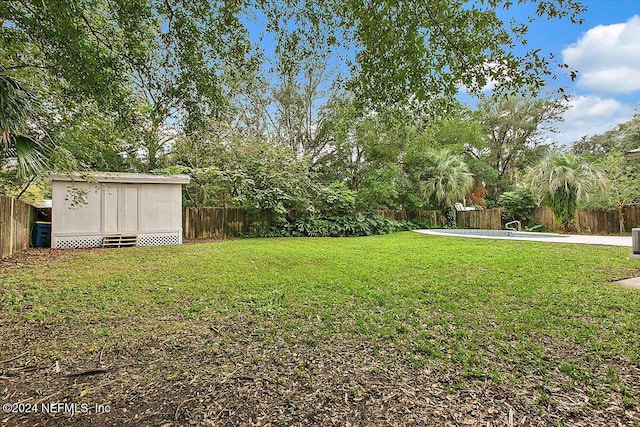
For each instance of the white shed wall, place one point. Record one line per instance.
(151, 211)
(162, 207)
(78, 218)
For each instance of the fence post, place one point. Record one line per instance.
(11, 225)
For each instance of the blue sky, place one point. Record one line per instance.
(605, 50)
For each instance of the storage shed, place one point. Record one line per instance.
(116, 209)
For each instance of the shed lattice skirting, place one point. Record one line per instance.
(152, 239)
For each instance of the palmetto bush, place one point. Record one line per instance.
(562, 180)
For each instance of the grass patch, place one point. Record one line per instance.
(535, 317)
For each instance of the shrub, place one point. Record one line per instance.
(518, 205)
(335, 199)
(323, 225)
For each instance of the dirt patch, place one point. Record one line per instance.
(35, 258)
(235, 372)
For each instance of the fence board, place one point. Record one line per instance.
(488, 219)
(433, 218)
(631, 215)
(16, 218)
(598, 221)
(545, 217)
(220, 223)
(593, 221)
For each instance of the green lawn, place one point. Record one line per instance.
(398, 329)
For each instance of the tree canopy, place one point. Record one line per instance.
(281, 104)
(177, 51)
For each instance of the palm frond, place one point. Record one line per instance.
(563, 179)
(17, 107)
(31, 156)
(445, 177)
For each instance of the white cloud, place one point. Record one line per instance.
(591, 115)
(607, 58)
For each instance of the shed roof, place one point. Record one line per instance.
(119, 177)
(42, 204)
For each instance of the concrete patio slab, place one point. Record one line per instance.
(562, 238)
(633, 282)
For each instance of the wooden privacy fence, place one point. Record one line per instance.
(488, 219)
(219, 223)
(433, 218)
(16, 218)
(593, 221)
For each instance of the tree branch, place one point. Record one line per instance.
(22, 66)
(33, 178)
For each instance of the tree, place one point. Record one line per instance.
(608, 151)
(562, 180)
(515, 128)
(358, 143)
(421, 52)
(625, 137)
(443, 178)
(623, 186)
(160, 65)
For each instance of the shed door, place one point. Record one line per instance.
(110, 197)
(128, 208)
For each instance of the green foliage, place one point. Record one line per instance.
(518, 205)
(335, 199)
(623, 186)
(442, 177)
(142, 85)
(252, 175)
(327, 225)
(608, 151)
(563, 204)
(424, 51)
(624, 137)
(562, 180)
(383, 188)
(513, 141)
(18, 108)
(159, 66)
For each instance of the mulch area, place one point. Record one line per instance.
(233, 375)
